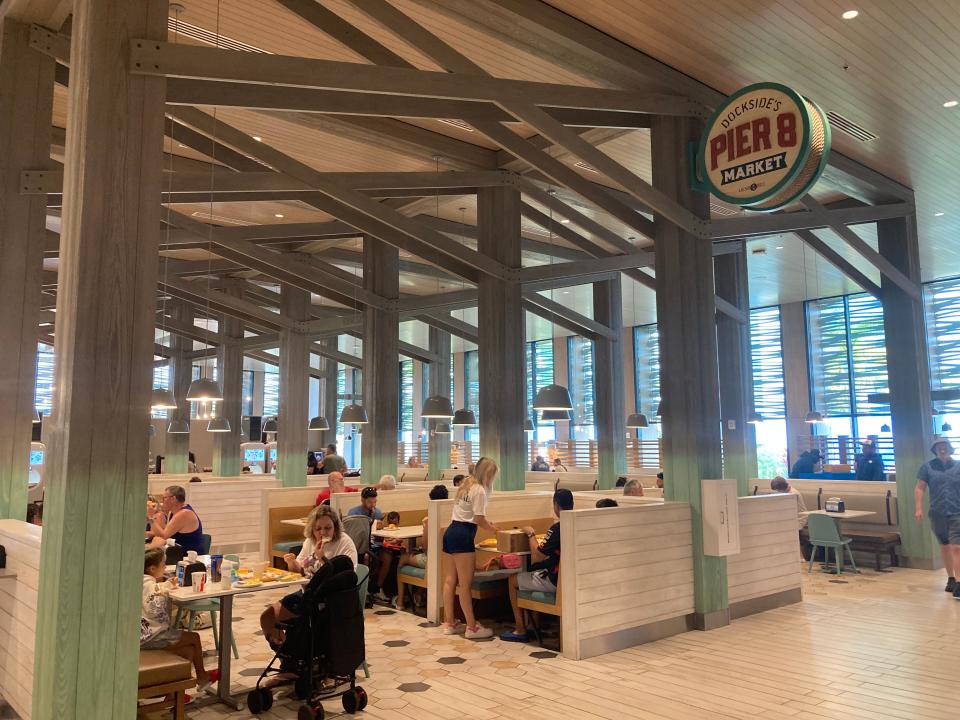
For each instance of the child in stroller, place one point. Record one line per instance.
(323, 646)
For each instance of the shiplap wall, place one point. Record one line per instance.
(626, 575)
(769, 558)
(18, 613)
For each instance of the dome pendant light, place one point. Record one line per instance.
(218, 424)
(553, 397)
(437, 407)
(204, 390)
(36, 416)
(755, 418)
(354, 415)
(637, 420)
(555, 416)
(270, 426)
(442, 428)
(163, 400)
(178, 427)
(528, 425)
(464, 417)
(318, 423)
(813, 417)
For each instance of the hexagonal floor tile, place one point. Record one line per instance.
(413, 687)
(396, 643)
(543, 654)
(451, 660)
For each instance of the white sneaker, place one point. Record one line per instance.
(452, 629)
(478, 633)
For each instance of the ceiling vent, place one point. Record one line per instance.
(722, 210)
(209, 38)
(843, 124)
(457, 124)
(589, 168)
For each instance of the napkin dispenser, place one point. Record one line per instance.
(185, 570)
(834, 505)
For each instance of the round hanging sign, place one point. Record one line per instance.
(764, 148)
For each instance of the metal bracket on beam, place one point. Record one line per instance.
(50, 43)
(40, 182)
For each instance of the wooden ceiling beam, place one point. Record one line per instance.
(161, 59)
(442, 320)
(817, 216)
(565, 317)
(198, 293)
(581, 268)
(839, 262)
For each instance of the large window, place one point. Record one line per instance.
(539, 375)
(43, 389)
(580, 362)
(471, 391)
(271, 393)
(405, 425)
(246, 407)
(942, 300)
(646, 364)
(769, 398)
(161, 379)
(848, 362)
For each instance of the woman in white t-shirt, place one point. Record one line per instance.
(324, 540)
(469, 511)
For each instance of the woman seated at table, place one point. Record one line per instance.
(324, 541)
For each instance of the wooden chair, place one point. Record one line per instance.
(163, 675)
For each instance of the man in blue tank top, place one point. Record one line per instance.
(178, 521)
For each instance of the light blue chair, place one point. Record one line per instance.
(196, 607)
(824, 533)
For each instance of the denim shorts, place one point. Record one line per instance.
(460, 537)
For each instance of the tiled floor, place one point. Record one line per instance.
(873, 646)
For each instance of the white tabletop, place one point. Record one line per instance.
(186, 594)
(296, 522)
(407, 532)
(847, 514)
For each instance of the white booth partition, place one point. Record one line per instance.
(18, 612)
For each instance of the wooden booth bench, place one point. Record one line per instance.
(164, 675)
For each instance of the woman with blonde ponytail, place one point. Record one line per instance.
(469, 511)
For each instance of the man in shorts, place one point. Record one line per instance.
(544, 570)
(942, 476)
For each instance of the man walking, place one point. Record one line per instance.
(942, 476)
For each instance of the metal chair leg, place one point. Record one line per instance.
(853, 563)
(813, 555)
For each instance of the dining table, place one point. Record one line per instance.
(214, 590)
(409, 533)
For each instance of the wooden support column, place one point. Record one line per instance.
(381, 380)
(328, 392)
(177, 447)
(796, 378)
(438, 373)
(226, 446)
(909, 378)
(292, 419)
(608, 384)
(26, 96)
(688, 357)
(736, 372)
(91, 558)
(503, 397)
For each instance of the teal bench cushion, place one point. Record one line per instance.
(541, 597)
(488, 580)
(417, 572)
(288, 546)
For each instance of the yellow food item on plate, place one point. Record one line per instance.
(488, 543)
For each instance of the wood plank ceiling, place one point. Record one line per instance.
(847, 67)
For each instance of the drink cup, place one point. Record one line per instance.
(216, 561)
(192, 555)
(198, 581)
(226, 574)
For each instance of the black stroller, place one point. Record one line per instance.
(323, 646)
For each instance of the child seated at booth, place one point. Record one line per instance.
(156, 632)
(417, 559)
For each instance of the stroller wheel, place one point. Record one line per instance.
(306, 712)
(361, 697)
(266, 695)
(301, 688)
(350, 701)
(255, 701)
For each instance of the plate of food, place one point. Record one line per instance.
(488, 543)
(249, 583)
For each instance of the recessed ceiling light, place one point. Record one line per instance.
(564, 221)
(938, 214)
(951, 103)
(257, 138)
(850, 14)
(278, 215)
(779, 247)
